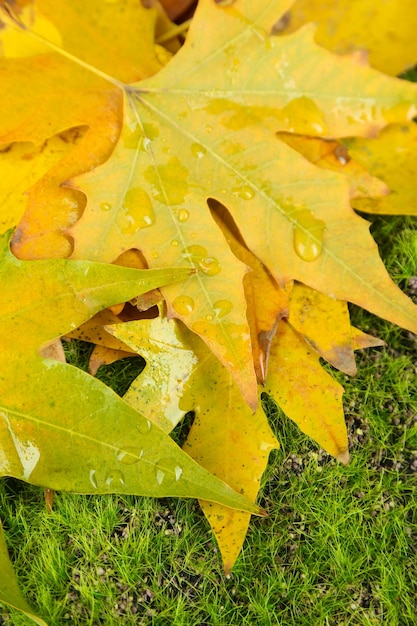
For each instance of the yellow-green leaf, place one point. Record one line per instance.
(60, 427)
(9, 589)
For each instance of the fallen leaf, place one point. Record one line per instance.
(263, 314)
(181, 375)
(306, 393)
(391, 157)
(385, 29)
(61, 428)
(90, 101)
(334, 156)
(22, 165)
(220, 122)
(325, 325)
(105, 356)
(9, 589)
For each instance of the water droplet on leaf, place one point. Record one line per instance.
(308, 235)
(198, 255)
(129, 455)
(183, 305)
(198, 150)
(138, 209)
(167, 471)
(147, 143)
(93, 479)
(105, 206)
(183, 215)
(115, 479)
(169, 182)
(245, 192)
(222, 307)
(144, 427)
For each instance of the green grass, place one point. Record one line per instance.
(339, 546)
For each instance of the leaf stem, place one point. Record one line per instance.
(11, 19)
(179, 29)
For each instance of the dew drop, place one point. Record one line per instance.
(144, 427)
(183, 215)
(115, 478)
(129, 455)
(130, 227)
(209, 265)
(222, 307)
(308, 235)
(147, 143)
(174, 243)
(167, 471)
(245, 192)
(105, 206)
(138, 211)
(209, 129)
(184, 305)
(199, 256)
(155, 255)
(93, 479)
(160, 475)
(209, 318)
(198, 150)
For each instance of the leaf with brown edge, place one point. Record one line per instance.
(306, 393)
(325, 325)
(361, 340)
(226, 437)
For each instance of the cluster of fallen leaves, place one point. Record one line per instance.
(210, 185)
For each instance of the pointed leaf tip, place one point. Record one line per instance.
(343, 457)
